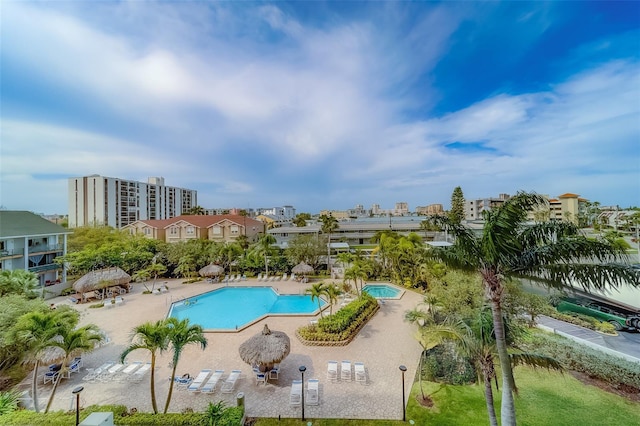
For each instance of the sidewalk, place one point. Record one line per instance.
(582, 335)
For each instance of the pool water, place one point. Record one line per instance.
(382, 291)
(233, 308)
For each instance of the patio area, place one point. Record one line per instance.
(384, 344)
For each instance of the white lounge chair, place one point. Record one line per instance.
(93, 374)
(230, 384)
(313, 392)
(273, 373)
(111, 372)
(126, 372)
(360, 372)
(332, 370)
(295, 397)
(261, 377)
(345, 370)
(285, 277)
(211, 384)
(119, 300)
(202, 376)
(140, 372)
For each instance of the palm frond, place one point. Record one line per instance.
(535, 361)
(598, 276)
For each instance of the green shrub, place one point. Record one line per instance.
(582, 321)
(67, 291)
(444, 364)
(616, 371)
(96, 305)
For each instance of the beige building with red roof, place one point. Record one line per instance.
(221, 228)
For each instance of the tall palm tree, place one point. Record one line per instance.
(181, 334)
(329, 225)
(554, 253)
(332, 292)
(40, 330)
(153, 337)
(316, 291)
(264, 247)
(358, 272)
(73, 342)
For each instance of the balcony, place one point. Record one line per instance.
(45, 248)
(42, 268)
(10, 253)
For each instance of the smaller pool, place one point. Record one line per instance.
(383, 291)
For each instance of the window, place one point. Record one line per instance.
(189, 230)
(234, 229)
(173, 231)
(217, 230)
(147, 231)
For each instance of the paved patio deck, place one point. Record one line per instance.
(383, 345)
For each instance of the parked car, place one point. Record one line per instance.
(602, 313)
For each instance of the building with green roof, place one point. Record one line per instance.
(28, 241)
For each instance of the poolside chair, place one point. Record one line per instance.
(293, 277)
(313, 392)
(360, 372)
(140, 373)
(230, 384)
(194, 386)
(295, 397)
(273, 373)
(119, 300)
(261, 378)
(74, 367)
(183, 382)
(259, 277)
(73, 300)
(332, 370)
(211, 384)
(110, 373)
(285, 277)
(93, 374)
(345, 370)
(278, 278)
(156, 291)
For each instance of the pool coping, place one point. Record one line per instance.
(398, 297)
(257, 319)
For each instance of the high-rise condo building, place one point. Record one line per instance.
(100, 200)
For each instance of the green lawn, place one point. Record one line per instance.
(545, 399)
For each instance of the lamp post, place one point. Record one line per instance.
(302, 370)
(404, 411)
(76, 392)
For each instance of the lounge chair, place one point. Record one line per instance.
(73, 300)
(259, 277)
(345, 370)
(156, 291)
(50, 376)
(293, 277)
(332, 370)
(119, 300)
(360, 372)
(126, 372)
(313, 392)
(92, 375)
(285, 277)
(230, 384)
(183, 381)
(211, 384)
(110, 373)
(261, 378)
(194, 386)
(140, 372)
(295, 397)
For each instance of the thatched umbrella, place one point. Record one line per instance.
(100, 279)
(302, 269)
(265, 349)
(211, 270)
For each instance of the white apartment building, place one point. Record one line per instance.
(100, 200)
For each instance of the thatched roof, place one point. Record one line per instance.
(302, 268)
(211, 270)
(265, 348)
(102, 278)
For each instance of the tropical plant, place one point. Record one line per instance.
(456, 214)
(554, 253)
(264, 248)
(39, 331)
(73, 342)
(316, 291)
(358, 272)
(329, 225)
(153, 337)
(18, 281)
(181, 334)
(186, 266)
(8, 402)
(215, 412)
(195, 210)
(332, 292)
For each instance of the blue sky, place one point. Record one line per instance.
(321, 104)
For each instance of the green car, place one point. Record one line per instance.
(602, 313)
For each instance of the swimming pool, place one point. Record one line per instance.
(234, 308)
(383, 291)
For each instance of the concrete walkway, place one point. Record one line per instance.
(385, 343)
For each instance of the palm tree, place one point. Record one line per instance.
(264, 247)
(40, 330)
(329, 225)
(316, 290)
(153, 337)
(554, 253)
(156, 269)
(181, 334)
(357, 272)
(332, 292)
(18, 281)
(73, 342)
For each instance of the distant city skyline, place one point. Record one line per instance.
(321, 105)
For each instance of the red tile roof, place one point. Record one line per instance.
(568, 195)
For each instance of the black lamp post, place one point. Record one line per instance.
(302, 370)
(76, 392)
(404, 410)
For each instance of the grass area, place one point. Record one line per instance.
(545, 399)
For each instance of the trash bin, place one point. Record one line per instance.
(240, 399)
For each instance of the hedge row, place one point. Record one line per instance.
(616, 371)
(232, 417)
(583, 321)
(356, 314)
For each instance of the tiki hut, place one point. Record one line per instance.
(302, 269)
(102, 279)
(211, 271)
(265, 349)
